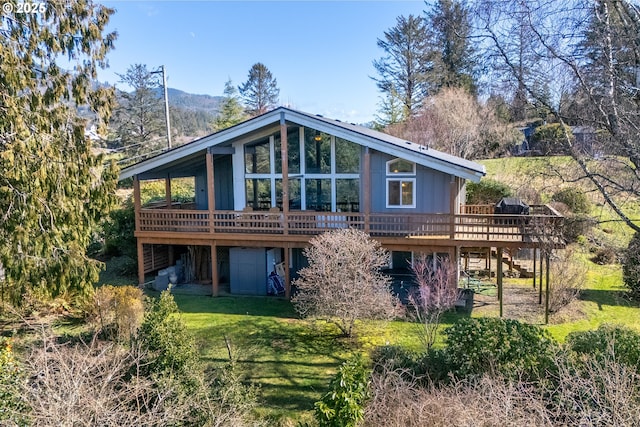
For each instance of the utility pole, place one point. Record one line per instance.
(166, 103)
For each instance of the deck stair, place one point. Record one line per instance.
(524, 267)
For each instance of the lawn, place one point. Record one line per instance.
(292, 360)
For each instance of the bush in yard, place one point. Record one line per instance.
(631, 266)
(436, 293)
(117, 311)
(343, 282)
(343, 404)
(487, 191)
(118, 231)
(12, 409)
(392, 357)
(476, 346)
(568, 276)
(620, 344)
(574, 199)
(170, 347)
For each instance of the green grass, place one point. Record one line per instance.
(291, 360)
(602, 300)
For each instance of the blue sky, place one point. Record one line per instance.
(320, 52)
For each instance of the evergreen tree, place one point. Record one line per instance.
(391, 111)
(451, 51)
(53, 189)
(139, 121)
(231, 110)
(403, 70)
(260, 92)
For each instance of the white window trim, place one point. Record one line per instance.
(389, 172)
(413, 196)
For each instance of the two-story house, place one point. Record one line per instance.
(264, 187)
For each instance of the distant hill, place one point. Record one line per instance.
(193, 102)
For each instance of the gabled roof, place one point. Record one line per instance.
(379, 141)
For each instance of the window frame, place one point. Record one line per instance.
(412, 180)
(389, 172)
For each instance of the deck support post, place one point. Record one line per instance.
(287, 273)
(214, 269)
(211, 192)
(140, 250)
(366, 171)
(499, 278)
(546, 292)
(535, 254)
(284, 150)
(167, 191)
(136, 208)
(541, 280)
(453, 196)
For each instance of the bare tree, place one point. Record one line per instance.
(455, 122)
(587, 73)
(343, 282)
(436, 294)
(568, 276)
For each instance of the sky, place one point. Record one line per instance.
(320, 52)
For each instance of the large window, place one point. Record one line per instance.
(318, 195)
(257, 158)
(258, 192)
(293, 150)
(401, 191)
(324, 171)
(317, 152)
(347, 156)
(295, 202)
(348, 195)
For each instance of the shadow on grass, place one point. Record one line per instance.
(608, 297)
(243, 305)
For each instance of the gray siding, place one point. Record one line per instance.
(432, 188)
(223, 178)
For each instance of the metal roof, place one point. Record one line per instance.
(359, 134)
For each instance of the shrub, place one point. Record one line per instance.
(343, 282)
(435, 294)
(620, 344)
(170, 347)
(568, 276)
(631, 266)
(551, 139)
(574, 199)
(118, 231)
(576, 225)
(343, 404)
(487, 191)
(11, 376)
(392, 357)
(505, 346)
(117, 311)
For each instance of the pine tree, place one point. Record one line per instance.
(451, 51)
(260, 92)
(231, 110)
(53, 188)
(138, 120)
(402, 71)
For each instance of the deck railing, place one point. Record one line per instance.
(464, 226)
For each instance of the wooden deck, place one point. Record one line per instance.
(474, 224)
